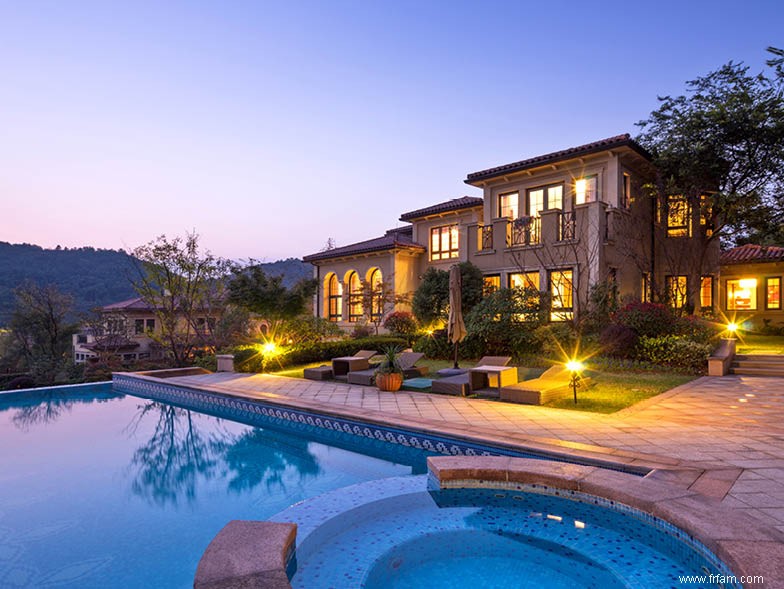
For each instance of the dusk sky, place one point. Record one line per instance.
(270, 127)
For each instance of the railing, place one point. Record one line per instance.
(485, 237)
(566, 225)
(524, 231)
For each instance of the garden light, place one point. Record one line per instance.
(269, 349)
(575, 367)
(732, 327)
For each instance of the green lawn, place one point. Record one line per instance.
(609, 392)
(760, 344)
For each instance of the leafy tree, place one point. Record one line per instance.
(252, 288)
(376, 299)
(42, 330)
(185, 288)
(431, 299)
(723, 139)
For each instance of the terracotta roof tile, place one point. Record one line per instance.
(752, 253)
(572, 152)
(392, 239)
(464, 202)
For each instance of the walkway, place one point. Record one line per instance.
(725, 435)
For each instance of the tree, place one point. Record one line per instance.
(185, 288)
(721, 146)
(42, 330)
(253, 289)
(430, 303)
(376, 298)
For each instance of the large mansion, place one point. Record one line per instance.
(559, 222)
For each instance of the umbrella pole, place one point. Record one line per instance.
(456, 344)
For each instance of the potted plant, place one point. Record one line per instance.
(389, 375)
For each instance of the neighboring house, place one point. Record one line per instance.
(751, 277)
(124, 331)
(559, 222)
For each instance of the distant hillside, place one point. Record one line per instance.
(94, 277)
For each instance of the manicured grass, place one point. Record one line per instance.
(760, 344)
(609, 392)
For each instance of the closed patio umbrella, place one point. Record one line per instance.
(456, 328)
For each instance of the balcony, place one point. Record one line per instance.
(524, 231)
(566, 226)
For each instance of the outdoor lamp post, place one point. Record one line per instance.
(575, 367)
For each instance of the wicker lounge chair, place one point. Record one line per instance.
(553, 384)
(359, 361)
(407, 362)
(459, 384)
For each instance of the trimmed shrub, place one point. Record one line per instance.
(675, 351)
(619, 341)
(647, 319)
(307, 328)
(401, 323)
(556, 340)
(319, 351)
(20, 382)
(438, 346)
(248, 358)
(696, 329)
(362, 330)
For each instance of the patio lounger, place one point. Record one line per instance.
(554, 383)
(345, 364)
(363, 377)
(407, 361)
(459, 384)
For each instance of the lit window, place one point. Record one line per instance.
(491, 283)
(585, 190)
(507, 205)
(535, 202)
(555, 197)
(334, 298)
(138, 326)
(645, 287)
(773, 293)
(524, 280)
(742, 294)
(545, 198)
(706, 292)
(678, 217)
(354, 298)
(444, 242)
(377, 289)
(626, 195)
(706, 214)
(561, 295)
(677, 290)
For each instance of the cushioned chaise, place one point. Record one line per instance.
(554, 383)
(407, 361)
(459, 384)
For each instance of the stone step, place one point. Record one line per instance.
(763, 357)
(757, 371)
(757, 364)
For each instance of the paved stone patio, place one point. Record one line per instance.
(723, 437)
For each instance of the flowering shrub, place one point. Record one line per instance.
(401, 323)
(647, 319)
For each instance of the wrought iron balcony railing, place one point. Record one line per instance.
(566, 225)
(524, 231)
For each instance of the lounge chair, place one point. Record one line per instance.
(459, 384)
(407, 361)
(343, 365)
(554, 383)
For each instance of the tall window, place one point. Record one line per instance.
(334, 298)
(546, 197)
(742, 294)
(355, 311)
(645, 287)
(490, 283)
(524, 280)
(706, 214)
(678, 216)
(444, 243)
(773, 293)
(138, 326)
(585, 190)
(150, 325)
(706, 292)
(507, 205)
(626, 195)
(677, 290)
(376, 283)
(561, 295)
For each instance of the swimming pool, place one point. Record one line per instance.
(101, 489)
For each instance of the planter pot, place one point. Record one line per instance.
(389, 382)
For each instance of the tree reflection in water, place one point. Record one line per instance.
(169, 466)
(46, 408)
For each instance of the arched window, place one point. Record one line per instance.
(334, 298)
(355, 311)
(376, 282)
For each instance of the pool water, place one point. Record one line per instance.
(100, 489)
(410, 537)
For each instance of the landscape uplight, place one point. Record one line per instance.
(269, 349)
(575, 367)
(732, 327)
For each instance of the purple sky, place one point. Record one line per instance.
(269, 127)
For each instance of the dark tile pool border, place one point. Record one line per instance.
(243, 408)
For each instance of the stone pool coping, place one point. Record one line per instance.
(747, 548)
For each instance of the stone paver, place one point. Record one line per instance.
(732, 427)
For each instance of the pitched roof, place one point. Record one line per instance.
(623, 140)
(136, 304)
(750, 252)
(392, 239)
(464, 202)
